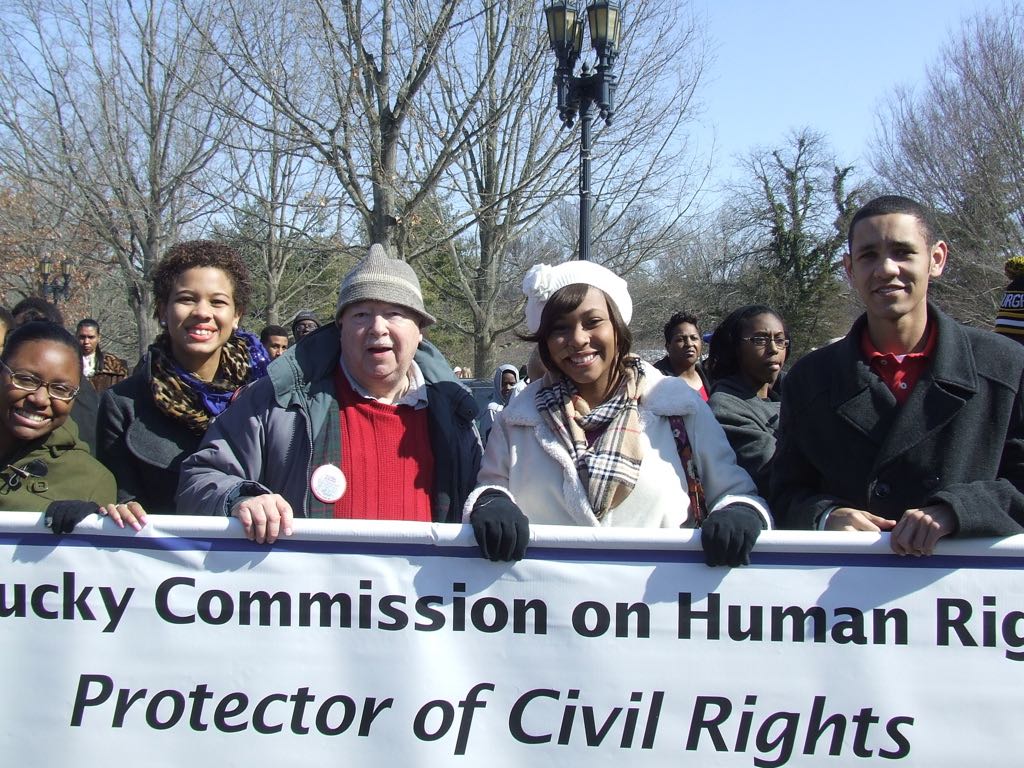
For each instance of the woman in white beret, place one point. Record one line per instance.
(604, 439)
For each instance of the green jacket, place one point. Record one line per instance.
(71, 473)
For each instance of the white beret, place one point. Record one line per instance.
(544, 279)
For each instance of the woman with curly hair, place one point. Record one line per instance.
(748, 350)
(155, 419)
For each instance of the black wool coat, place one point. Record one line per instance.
(141, 445)
(958, 439)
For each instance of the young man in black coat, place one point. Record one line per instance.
(911, 424)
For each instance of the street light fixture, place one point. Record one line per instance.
(591, 88)
(57, 287)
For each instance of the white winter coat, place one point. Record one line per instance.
(525, 459)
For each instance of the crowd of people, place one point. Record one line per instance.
(911, 424)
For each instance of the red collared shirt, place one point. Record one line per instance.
(899, 372)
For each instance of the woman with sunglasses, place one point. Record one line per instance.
(155, 419)
(747, 353)
(44, 466)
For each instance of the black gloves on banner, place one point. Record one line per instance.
(63, 516)
(500, 527)
(729, 533)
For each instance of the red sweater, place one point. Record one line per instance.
(385, 456)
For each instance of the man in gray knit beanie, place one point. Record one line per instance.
(379, 278)
(380, 315)
(363, 420)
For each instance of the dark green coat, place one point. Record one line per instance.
(71, 473)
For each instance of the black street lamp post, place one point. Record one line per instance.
(580, 94)
(58, 287)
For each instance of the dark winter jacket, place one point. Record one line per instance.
(958, 439)
(263, 443)
(142, 445)
(750, 424)
(84, 414)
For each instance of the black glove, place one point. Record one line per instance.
(500, 527)
(63, 516)
(729, 533)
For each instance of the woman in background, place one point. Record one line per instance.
(152, 421)
(683, 345)
(506, 379)
(747, 353)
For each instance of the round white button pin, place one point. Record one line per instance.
(328, 483)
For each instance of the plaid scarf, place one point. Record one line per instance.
(194, 402)
(609, 465)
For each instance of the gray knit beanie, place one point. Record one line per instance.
(379, 278)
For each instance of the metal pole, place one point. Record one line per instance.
(586, 117)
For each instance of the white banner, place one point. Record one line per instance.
(395, 644)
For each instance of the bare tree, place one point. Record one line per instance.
(286, 217)
(958, 146)
(437, 122)
(106, 108)
(789, 232)
(703, 276)
(510, 167)
(520, 172)
(347, 77)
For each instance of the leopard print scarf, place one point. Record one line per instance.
(176, 394)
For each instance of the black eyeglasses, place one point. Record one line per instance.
(29, 382)
(763, 340)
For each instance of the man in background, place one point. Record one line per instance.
(274, 339)
(304, 323)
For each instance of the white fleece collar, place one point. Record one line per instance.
(662, 396)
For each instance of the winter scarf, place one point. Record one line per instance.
(192, 401)
(609, 465)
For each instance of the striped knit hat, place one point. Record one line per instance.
(380, 278)
(1010, 318)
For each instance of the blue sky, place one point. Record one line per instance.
(784, 64)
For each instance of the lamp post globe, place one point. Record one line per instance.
(51, 286)
(593, 88)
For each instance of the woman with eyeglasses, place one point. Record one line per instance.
(748, 350)
(155, 419)
(44, 466)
